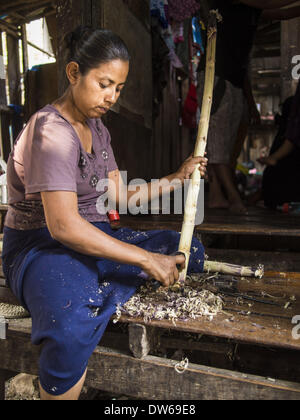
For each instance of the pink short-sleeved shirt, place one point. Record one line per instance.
(48, 156)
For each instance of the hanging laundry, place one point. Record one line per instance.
(159, 9)
(180, 10)
(197, 37)
(178, 32)
(189, 114)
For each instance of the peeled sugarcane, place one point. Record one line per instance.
(235, 270)
(190, 211)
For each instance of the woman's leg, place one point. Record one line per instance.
(217, 199)
(72, 395)
(71, 303)
(224, 174)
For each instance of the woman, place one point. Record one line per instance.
(60, 257)
(283, 165)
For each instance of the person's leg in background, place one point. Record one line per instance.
(242, 134)
(217, 199)
(223, 130)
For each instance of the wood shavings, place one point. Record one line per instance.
(118, 314)
(183, 303)
(260, 272)
(182, 366)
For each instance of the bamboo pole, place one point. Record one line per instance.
(188, 226)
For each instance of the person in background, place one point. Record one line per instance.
(283, 163)
(236, 36)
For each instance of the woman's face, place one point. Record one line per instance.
(99, 89)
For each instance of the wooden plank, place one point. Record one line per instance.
(268, 224)
(154, 377)
(255, 311)
(240, 327)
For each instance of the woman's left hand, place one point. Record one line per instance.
(187, 168)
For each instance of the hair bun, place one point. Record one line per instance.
(76, 38)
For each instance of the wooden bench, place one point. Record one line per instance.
(248, 352)
(259, 222)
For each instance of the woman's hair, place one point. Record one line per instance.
(90, 47)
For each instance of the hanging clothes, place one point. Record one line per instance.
(159, 9)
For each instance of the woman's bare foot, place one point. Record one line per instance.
(238, 208)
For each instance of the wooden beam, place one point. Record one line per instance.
(153, 377)
(23, 8)
(40, 49)
(19, 20)
(156, 378)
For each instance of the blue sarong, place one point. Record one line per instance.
(71, 297)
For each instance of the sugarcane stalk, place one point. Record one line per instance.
(190, 210)
(235, 270)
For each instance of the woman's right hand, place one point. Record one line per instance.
(163, 268)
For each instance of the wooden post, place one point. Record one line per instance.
(13, 70)
(3, 99)
(139, 343)
(143, 339)
(69, 15)
(25, 49)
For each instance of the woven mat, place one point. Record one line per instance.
(12, 311)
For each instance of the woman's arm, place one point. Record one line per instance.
(120, 193)
(285, 150)
(67, 226)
